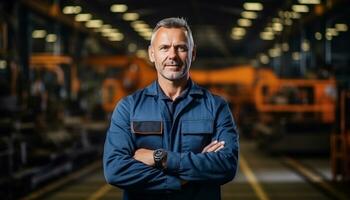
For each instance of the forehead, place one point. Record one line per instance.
(164, 35)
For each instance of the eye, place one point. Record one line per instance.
(182, 48)
(163, 48)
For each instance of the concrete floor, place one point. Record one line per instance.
(260, 177)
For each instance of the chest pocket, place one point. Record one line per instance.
(148, 134)
(196, 134)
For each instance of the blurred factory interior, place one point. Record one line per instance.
(284, 67)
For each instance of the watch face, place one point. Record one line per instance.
(158, 154)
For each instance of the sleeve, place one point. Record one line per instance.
(120, 168)
(221, 166)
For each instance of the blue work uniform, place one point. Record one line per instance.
(148, 119)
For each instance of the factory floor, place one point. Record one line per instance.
(260, 177)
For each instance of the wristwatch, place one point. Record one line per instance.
(159, 156)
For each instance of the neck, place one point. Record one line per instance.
(173, 89)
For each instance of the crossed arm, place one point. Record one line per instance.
(146, 155)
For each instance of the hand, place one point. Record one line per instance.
(145, 156)
(214, 146)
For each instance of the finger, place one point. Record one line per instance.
(218, 149)
(216, 146)
(209, 145)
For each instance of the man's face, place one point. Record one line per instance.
(171, 53)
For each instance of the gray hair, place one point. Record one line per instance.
(174, 22)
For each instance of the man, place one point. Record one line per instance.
(173, 139)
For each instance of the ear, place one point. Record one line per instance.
(194, 52)
(151, 53)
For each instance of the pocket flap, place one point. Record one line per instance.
(204, 126)
(147, 127)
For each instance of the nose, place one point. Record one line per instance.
(172, 53)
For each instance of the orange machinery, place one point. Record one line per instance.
(136, 73)
(264, 105)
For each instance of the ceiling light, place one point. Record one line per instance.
(141, 53)
(51, 38)
(83, 17)
(244, 22)
(119, 8)
(341, 27)
(300, 8)
(276, 20)
(309, 1)
(249, 15)
(266, 36)
(274, 52)
(236, 37)
(268, 29)
(318, 36)
(296, 56)
(305, 45)
(288, 22)
(295, 15)
(145, 34)
(139, 24)
(3, 64)
(332, 31)
(285, 47)
(116, 37)
(71, 9)
(264, 59)
(130, 16)
(329, 36)
(38, 33)
(277, 27)
(253, 6)
(238, 31)
(96, 23)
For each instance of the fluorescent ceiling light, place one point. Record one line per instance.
(119, 8)
(238, 31)
(318, 36)
(305, 45)
(267, 36)
(332, 31)
(145, 34)
(341, 27)
(296, 56)
(288, 22)
(116, 37)
(264, 59)
(3, 64)
(285, 47)
(71, 9)
(141, 53)
(236, 37)
(244, 22)
(51, 38)
(83, 17)
(130, 16)
(277, 27)
(274, 52)
(300, 8)
(253, 6)
(249, 15)
(96, 23)
(309, 1)
(38, 33)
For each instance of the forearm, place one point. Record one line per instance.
(127, 173)
(214, 166)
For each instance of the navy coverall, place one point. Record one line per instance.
(144, 120)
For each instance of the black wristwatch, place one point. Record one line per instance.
(159, 156)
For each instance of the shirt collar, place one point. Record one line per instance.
(194, 89)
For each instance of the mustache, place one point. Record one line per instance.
(177, 63)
